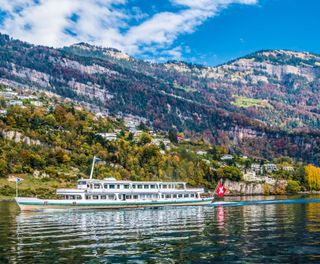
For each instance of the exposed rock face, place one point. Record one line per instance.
(244, 188)
(40, 175)
(250, 188)
(18, 137)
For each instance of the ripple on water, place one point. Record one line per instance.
(264, 233)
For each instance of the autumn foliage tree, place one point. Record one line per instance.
(312, 177)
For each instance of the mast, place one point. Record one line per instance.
(92, 167)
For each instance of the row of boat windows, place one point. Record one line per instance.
(129, 196)
(134, 186)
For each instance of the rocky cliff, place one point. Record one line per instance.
(254, 188)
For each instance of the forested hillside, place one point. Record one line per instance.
(49, 142)
(265, 104)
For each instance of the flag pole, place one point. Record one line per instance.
(16, 188)
(91, 173)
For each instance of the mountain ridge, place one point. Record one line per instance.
(253, 92)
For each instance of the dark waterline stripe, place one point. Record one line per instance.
(265, 202)
(114, 203)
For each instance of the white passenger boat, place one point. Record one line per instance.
(111, 193)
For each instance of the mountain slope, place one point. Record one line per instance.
(268, 93)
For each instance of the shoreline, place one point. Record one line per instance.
(261, 194)
(12, 198)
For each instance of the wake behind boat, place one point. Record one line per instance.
(111, 193)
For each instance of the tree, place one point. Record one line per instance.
(173, 136)
(229, 172)
(51, 120)
(142, 126)
(293, 187)
(299, 174)
(3, 167)
(130, 136)
(312, 177)
(144, 139)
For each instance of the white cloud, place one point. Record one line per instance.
(107, 23)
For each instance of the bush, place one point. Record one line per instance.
(7, 190)
(266, 189)
(293, 187)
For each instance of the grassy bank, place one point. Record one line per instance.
(31, 187)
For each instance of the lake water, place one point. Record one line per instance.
(274, 233)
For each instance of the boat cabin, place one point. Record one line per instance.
(112, 189)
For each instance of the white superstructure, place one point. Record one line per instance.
(114, 190)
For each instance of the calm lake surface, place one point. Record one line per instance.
(275, 233)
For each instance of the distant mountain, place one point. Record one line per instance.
(248, 104)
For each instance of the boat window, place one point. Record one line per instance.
(169, 186)
(118, 186)
(135, 196)
(174, 196)
(192, 195)
(103, 197)
(164, 186)
(128, 196)
(186, 195)
(139, 186)
(96, 186)
(152, 186)
(168, 196)
(111, 197)
(146, 186)
(180, 195)
(95, 197)
(82, 182)
(88, 197)
(105, 186)
(134, 186)
(126, 186)
(78, 197)
(111, 186)
(162, 196)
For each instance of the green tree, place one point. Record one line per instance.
(293, 186)
(172, 135)
(3, 167)
(229, 172)
(144, 139)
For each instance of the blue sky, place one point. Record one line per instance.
(201, 31)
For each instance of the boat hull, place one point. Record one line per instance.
(34, 204)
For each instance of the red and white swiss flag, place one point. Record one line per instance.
(220, 191)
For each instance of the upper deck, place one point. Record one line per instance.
(111, 185)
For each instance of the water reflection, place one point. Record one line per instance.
(265, 233)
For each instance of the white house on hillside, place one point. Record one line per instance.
(269, 167)
(108, 136)
(227, 157)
